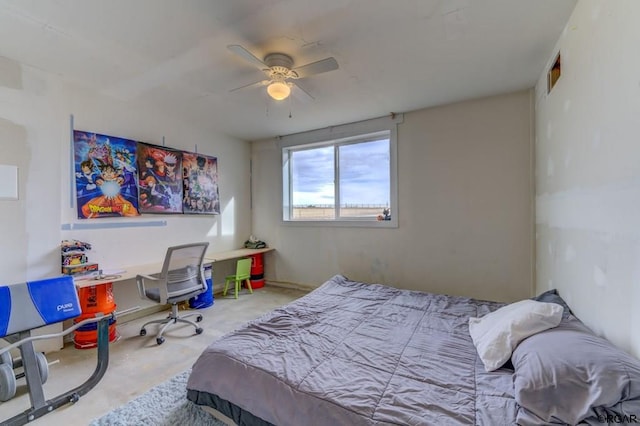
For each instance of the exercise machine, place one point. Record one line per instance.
(30, 305)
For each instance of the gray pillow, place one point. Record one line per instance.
(569, 375)
(552, 296)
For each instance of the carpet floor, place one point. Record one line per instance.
(163, 405)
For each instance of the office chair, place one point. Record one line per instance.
(182, 278)
(243, 273)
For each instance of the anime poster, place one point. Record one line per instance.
(159, 179)
(200, 180)
(105, 170)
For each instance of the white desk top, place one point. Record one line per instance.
(130, 272)
(234, 254)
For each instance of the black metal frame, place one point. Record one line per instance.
(39, 406)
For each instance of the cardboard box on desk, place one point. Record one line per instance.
(84, 268)
(74, 258)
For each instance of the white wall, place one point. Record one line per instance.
(465, 209)
(588, 170)
(35, 111)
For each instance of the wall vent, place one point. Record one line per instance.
(554, 74)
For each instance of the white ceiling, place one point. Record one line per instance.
(393, 55)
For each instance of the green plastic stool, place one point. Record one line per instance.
(243, 274)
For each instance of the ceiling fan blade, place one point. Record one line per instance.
(254, 84)
(324, 65)
(246, 55)
(300, 93)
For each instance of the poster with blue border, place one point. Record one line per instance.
(106, 176)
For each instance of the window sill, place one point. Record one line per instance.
(342, 223)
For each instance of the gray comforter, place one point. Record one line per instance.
(352, 353)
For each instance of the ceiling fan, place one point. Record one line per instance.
(279, 70)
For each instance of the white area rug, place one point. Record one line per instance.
(165, 405)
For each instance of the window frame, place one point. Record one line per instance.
(365, 131)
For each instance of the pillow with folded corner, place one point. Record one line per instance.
(495, 335)
(552, 296)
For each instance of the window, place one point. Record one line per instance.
(347, 180)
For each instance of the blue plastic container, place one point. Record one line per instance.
(204, 300)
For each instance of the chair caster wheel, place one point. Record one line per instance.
(143, 332)
(198, 330)
(160, 340)
(199, 318)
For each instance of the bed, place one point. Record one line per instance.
(352, 353)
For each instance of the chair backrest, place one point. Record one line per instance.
(243, 269)
(182, 270)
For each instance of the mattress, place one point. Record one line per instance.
(352, 353)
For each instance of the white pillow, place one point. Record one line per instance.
(496, 335)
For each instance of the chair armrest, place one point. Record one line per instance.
(147, 277)
(160, 284)
(140, 282)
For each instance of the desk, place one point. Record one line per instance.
(130, 272)
(234, 254)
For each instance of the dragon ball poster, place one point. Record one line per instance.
(105, 171)
(200, 180)
(159, 179)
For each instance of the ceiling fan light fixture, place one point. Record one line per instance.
(279, 90)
